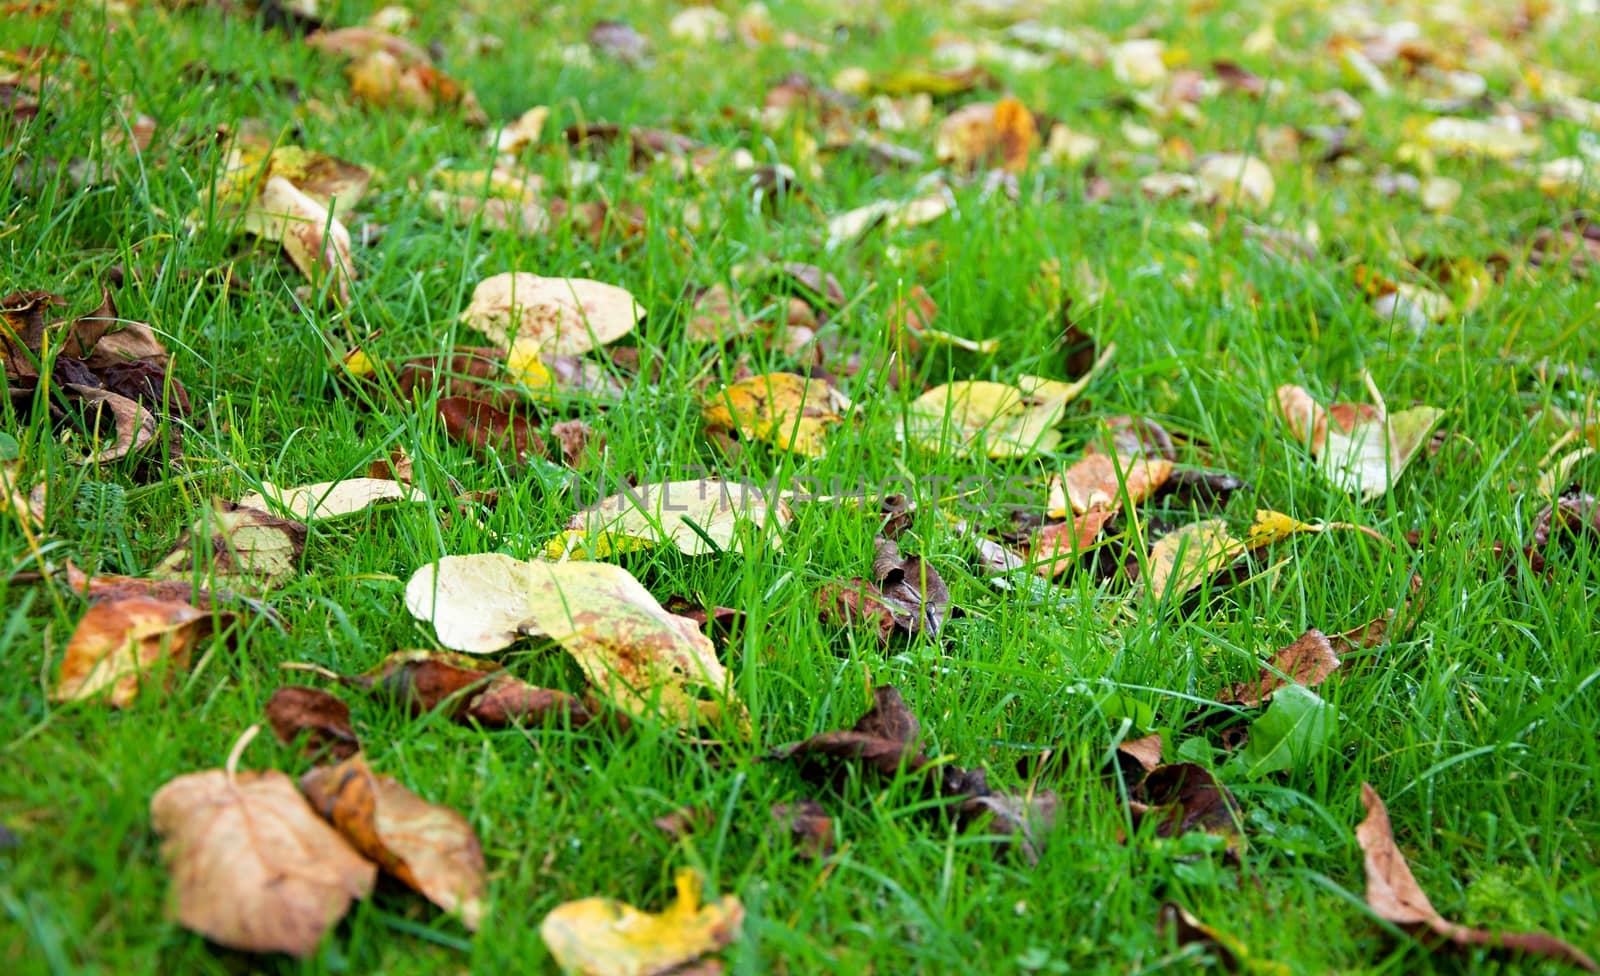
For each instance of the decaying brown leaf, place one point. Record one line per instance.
(122, 644)
(491, 431)
(253, 866)
(429, 847)
(807, 826)
(477, 690)
(324, 720)
(910, 596)
(1308, 661)
(1181, 797)
(605, 937)
(1394, 895)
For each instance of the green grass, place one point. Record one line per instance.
(1479, 727)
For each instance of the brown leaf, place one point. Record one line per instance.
(510, 701)
(1571, 513)
(912, 586)
(135, 426)
(620, 41)
(1021, 820)
(429, 847)
(807, 826)
(488, 429)
(685, 821)
(1055, 548)
(253, 866)
(122, 644)
(323, 719)
(1394, 895)
(1181, 797)
(883, 739)
(573, 436)
(1308, 661)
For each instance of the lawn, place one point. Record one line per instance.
(1420, 240)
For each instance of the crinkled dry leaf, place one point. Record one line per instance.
(244, 547)
(1394, 895)
(910, 596)
(1308, 661)
(253, 866)
(697, 517)
(551, 315)
(429, 847)
(1181, 797)
(476, 603)
(605, 937)
(790, 412)
(1056, 548)
(476, 690)
(491, 431)
(1358, 447)
(121, 644)
(324, 720)
(807, 826)
(330, 499)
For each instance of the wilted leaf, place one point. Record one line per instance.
(604, 937)
(122, 644)
(788, 411)
(242, 546)
(996, 419)
(135, 426)
(253, 866)
(697, 517)
(1182, 797)
(551, 315)
(315, 240)
(429, 847)
(324, 720)
(330, 499)
(1358, 447)
(884, 739)
(1308, 662)
(489, 430)
(1295, 727)
(1394, 896)
(910, 596)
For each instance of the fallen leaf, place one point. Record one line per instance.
(1235, 179)
(135, 426)
(1308, 662)
(315, 240)
(1097, 482)
(1054, 549)
(885, 739)
(253, 866)
(1183, 797)
(909, 596)
(330, 499)
(430, 848)
(605, 937)
(1187, 556)
(551, 315)
(1295, 727)
(983, 133)
(788, 411)
(1358, 447)
(489, 430)
(477, 603)
(242, 546)
(1189, 930)
(324, 720)
(123, 644)
(1394, 896)
(978, 416)
(696, 517)
(621, 41)
(641, 658)
(807, 826)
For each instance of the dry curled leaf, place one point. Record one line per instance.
(1189, 555)
(1394, 895)
(315, 240)
(605, 937)
(429, 847)
(120, 645)
(1357, 446)
(1181, 797)
(253, 867)
(489, 430)
(324, 720)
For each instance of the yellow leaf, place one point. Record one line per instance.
(996, 419)
(790, 412)
(698, 517)
(1181, 560)
(1273, 527)
(605, 937)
